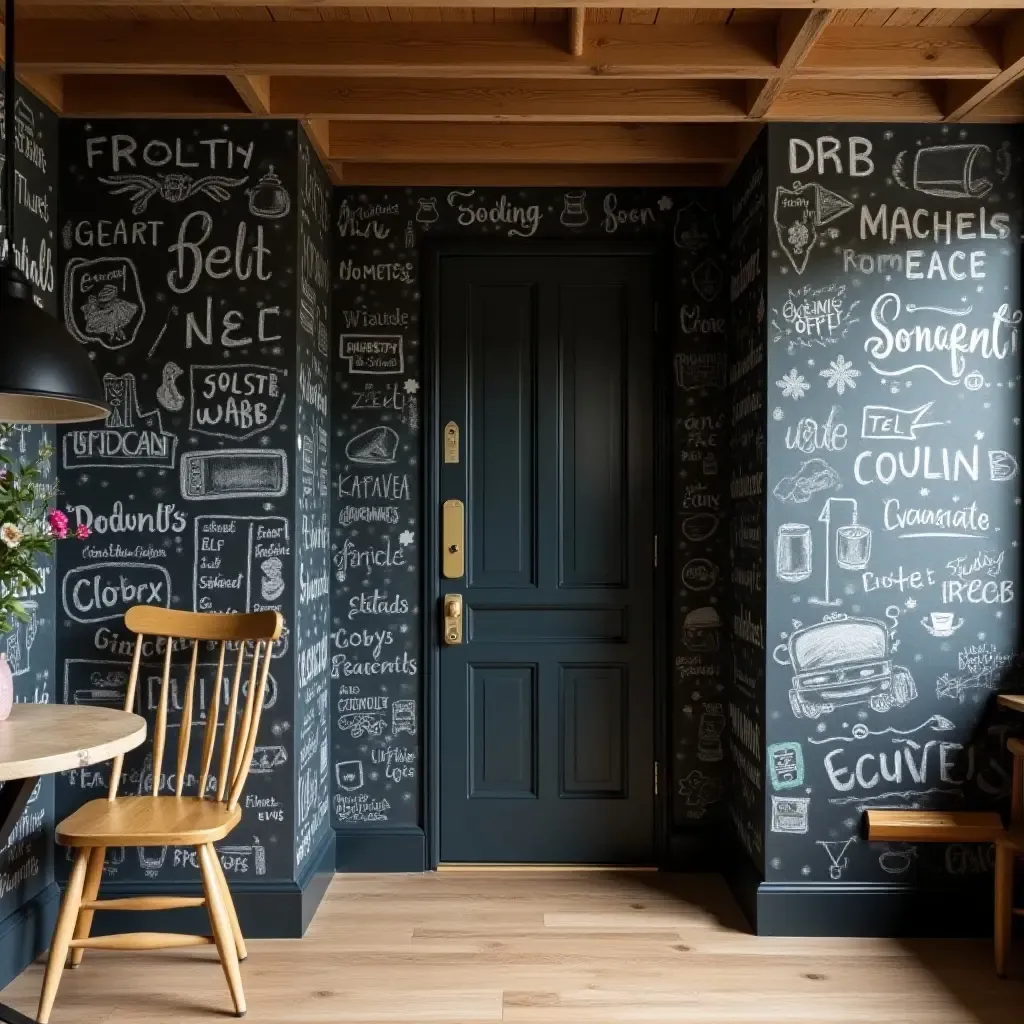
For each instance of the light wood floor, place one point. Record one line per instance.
(543, 948)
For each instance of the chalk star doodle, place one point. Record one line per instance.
(405, 538)
(174, 188)
(793, 385)
(841, 375)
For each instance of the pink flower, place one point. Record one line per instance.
(58, 523)
(82, 532)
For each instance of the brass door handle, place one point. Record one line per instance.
(452, 619)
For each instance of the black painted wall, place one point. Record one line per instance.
(748, 437)
(26, 864)
(894, 513)
(180, 257)
(312, 612)
(378, 532)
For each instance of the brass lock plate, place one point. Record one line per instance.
(451, 442)
(452, 619)
(453, 563)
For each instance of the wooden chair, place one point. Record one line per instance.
(1008, 848)
(177, 820)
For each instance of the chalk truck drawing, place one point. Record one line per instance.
(218, 473)
(843, 662)
(799, 212)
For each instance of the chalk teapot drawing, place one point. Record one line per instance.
(268, 198)
(843, 662)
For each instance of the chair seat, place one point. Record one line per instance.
(148, 821)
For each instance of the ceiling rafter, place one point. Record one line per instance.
(795, 35)
(510, 144)
(213, 5)
(254, 91)
(504, 50)
(522, 175)
(964, 98)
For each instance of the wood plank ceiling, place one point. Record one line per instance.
(526, 95)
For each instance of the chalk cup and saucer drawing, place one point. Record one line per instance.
(941, 624)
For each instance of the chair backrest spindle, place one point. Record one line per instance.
(241, 719)
(129, 704)
(160, 731)
(212, 714)
(229, 716)
(185, 731)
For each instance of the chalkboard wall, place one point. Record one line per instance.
(378, 541)
(746, 501)
(181, 276)
(893, 332)
(312, 586)
(26, 864)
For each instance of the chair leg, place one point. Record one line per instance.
(62, 935)
(236, 929)
(1004, 906)
(221, 923)
(91, 890)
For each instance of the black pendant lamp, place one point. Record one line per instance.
(45, 375)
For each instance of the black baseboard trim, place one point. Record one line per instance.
(885, 911)
(266, 909)
(381, 849)
(25, 933)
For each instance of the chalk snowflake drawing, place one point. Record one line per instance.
(841, 375)
(793, 385)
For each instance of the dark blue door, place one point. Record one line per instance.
(546, 707)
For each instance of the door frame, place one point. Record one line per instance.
(431, 252)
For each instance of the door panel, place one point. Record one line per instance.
(546, 708)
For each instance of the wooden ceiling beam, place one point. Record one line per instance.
(318, 132)
(795, 34)
(957, 5)
(577, 30)
(254, 91)
(963, 98)
(48, 87)
(531, 144)
(488, 101)
(525, 175)
(896, 52)
(151, 96)
(405, 50)
(857, 101)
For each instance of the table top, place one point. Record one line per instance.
(1014, 701)
(40, 739)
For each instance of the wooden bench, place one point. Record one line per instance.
(934, 826)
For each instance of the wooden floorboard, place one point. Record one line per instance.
(543, 948)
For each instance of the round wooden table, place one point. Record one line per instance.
(41, 739)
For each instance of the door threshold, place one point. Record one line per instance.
(498, 866)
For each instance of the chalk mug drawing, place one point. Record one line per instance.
(793, 551)
(843, 662)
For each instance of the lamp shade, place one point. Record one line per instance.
(45, 375)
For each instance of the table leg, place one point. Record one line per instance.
(14, 797)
